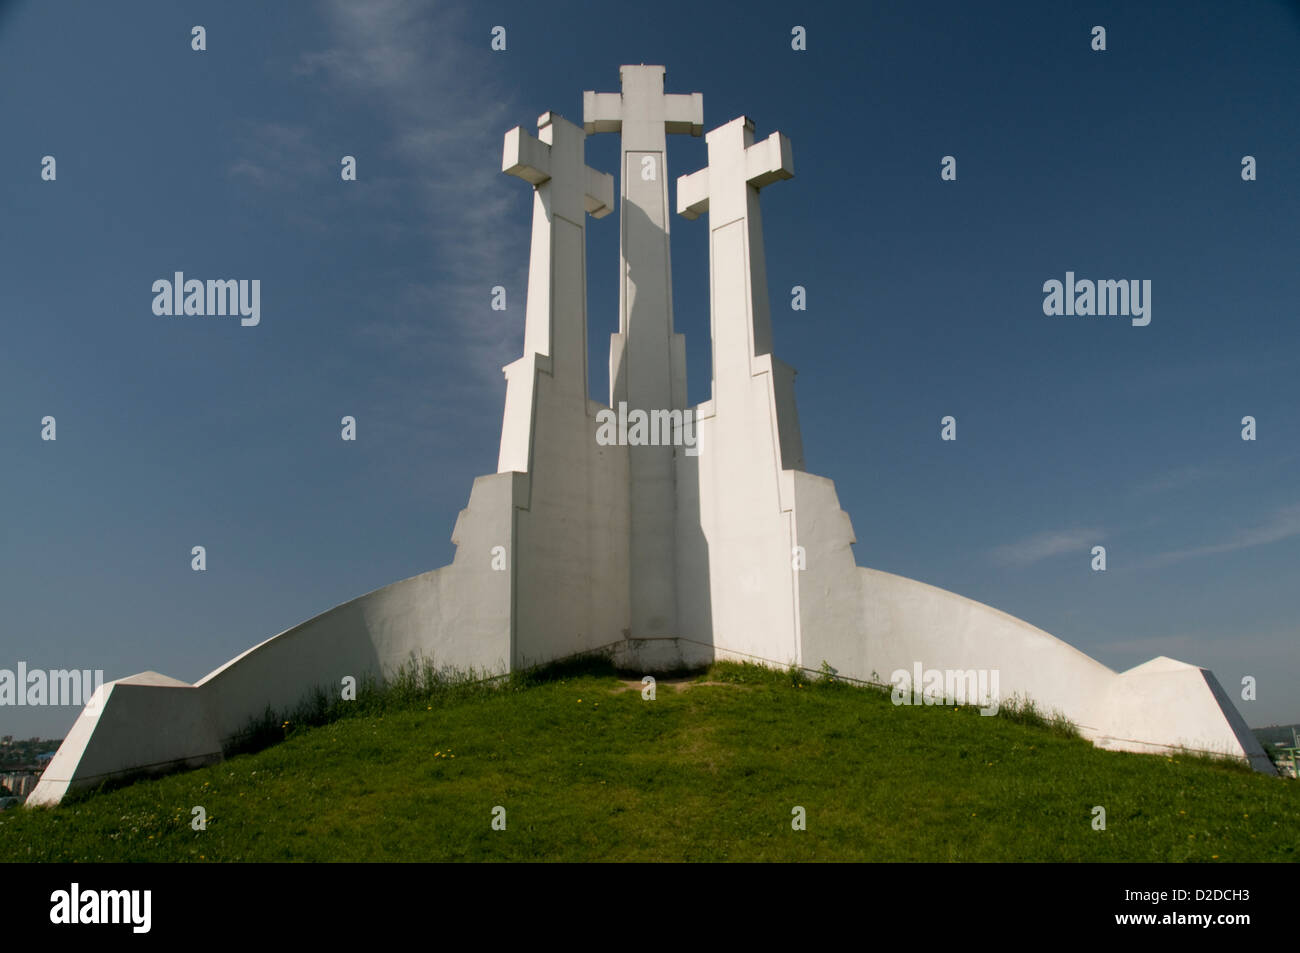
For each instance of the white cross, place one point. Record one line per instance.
(643, 112)
(735, 163)
(572, 180)
(727, 188)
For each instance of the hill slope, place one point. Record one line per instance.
(588, 770)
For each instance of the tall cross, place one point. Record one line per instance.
(728, 190)
(750, 439)
(647, 361)
(643, 112)
(565, 190)
(641, 370)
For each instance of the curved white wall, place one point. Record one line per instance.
(867, 624)
(457, 616)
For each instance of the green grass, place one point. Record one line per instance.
(587, 771)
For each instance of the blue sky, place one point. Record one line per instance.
(924, 299)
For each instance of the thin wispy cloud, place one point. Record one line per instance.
(1197, 647)
(273, 155)
(1284, 524)
(1046, 545)
(1176, 479)
(446, 115)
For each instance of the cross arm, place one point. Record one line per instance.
(599, 195)
(526, 157)
(602, 112)
(693, 194)
(769, 161)
(529, 158)
(764, 163)
(684, 113)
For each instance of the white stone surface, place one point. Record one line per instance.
(744, 524)
(658, 556)
(569, 559)
(647, 359)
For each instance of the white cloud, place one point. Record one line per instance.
(1046, 545)
(276, 152)
(1177, 478)
(446, 115)
(1284, 524)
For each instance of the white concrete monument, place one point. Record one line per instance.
(647, 361)
(681, 535)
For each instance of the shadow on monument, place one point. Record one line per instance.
(671, 513)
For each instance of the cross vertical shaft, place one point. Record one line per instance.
(751, 449)
(647, 360)
(565, 191)
(728, 191)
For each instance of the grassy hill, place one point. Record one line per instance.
(709, 770)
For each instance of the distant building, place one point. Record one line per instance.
(1288, 758)
(19, 783)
